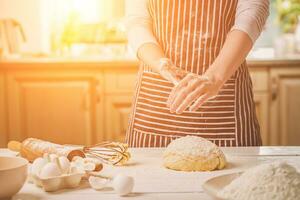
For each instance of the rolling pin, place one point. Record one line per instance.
(32, 148)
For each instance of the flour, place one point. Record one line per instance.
(276, 181)
(192, 146)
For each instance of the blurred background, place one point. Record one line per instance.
(67, 74)
(64, 28)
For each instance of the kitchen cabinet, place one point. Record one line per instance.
(119, 82)
(3, 127)
(59, 106)
(89, 102)
(260, 84)
(73, 102)
(117, 110)
(262, 113)
(285, 106)
(119, 87)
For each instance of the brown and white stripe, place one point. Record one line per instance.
(192, 33)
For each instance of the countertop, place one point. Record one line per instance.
(69, 63)
(274, 62)
(153, 181)
(116, 63)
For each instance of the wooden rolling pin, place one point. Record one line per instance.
(32, 148)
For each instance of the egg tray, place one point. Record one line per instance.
(53, 184)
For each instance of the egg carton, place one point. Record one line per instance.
(52, 172)
(52, 184)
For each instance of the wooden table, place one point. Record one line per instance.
(152, 181)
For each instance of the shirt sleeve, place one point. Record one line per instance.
(138, 24)
(251, 16)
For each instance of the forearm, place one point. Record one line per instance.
(249, 21)
(139, 25)
(233, 53)
(150, 54)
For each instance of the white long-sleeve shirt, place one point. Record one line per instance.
(250, 18)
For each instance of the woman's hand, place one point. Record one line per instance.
(193, 90)
(170, 72)
(173, 74)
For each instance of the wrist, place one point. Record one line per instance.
(216, 78)
(169, 71)
(163, 64)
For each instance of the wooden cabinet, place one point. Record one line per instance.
(285, 106)
(119, 87)
(59, 106)
(262, 112)
(86, 103)
(117, 110)
(3, 112)
(75, 103)
(119, 82)
(260, 83)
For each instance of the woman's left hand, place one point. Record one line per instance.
(192, 91)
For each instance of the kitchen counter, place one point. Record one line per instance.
(152, 181)
(276, 62)
(69, 63)
(118, 62)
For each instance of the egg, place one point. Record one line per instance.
(50, 170)
(98, 183)
(78, 160)
(50, 157)
(37, 165)
(97, 164)
(86, 164)
(46, 156)
(53, 157)
(63, 163)
(89, 167)
(76, 168)
(122, 184)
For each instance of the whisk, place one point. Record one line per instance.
(114, 153)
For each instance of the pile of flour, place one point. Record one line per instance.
(276, 181)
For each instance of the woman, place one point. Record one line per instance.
(193, 79)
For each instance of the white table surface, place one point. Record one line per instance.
(153, 181)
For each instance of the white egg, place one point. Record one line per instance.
(50, 170)
(53, 157)
(72, 164)
(37, 165)
(78, 159)
(98, 166)
(63, 163)
(91, 160)
(122, 184)
(89, 166)
(46, 156)
(98, 183)
(75, 170)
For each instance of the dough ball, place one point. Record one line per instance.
(192, 153)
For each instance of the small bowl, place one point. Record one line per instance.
(13, 174)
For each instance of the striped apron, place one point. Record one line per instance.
(191, 33)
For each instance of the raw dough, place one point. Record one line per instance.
(192, 153)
